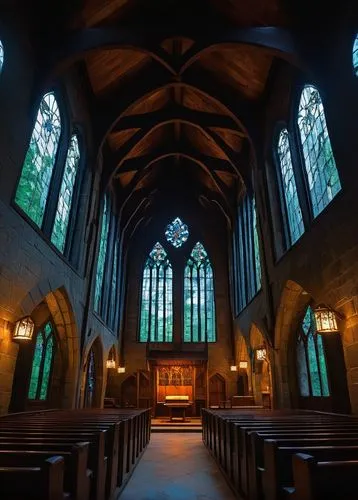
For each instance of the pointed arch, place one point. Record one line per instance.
(92, 378)
(321, 171)
(65, 198)
(34, 183)
(156, 322)
(199, 298)
(355, 55)
(102, 252)
(290, 204)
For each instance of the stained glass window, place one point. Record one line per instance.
(42, 363)
(102, 254)
(34, 183)
(64, 203)
(90, 379)
(1, 55)
(322, 174)
(199, 300)
(177, 233)
(156, 322)
(114, 299)
(355, 55)
(289, 188)
(247, 259)
(311, 359)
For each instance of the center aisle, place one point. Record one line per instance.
(177, 466)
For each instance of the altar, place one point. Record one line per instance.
(177, 406)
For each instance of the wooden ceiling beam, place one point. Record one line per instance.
(147, 38)
(177, 112)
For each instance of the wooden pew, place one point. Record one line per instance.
(314, 480)
(76, 475)
(278, 463)
(44, 482)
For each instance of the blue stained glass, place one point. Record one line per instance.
(293, 208)
(256, 248)
(199, 300)
(355, 55)
(177, 233)
(1, 55)
(322, 174)
(156, 321)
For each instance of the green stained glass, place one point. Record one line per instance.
(313, 379)
(64, 204)
(34, 183)
(355, 55)
(36, 366)
(102, 255)
(114, 287)
(322, 174)
(199, 301)
(47, 368)
(302, 369)
(322, 366)
(156, 321)
(289, 188)
(1, 55)
(42, 363)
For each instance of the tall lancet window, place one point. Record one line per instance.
(355, 55)
(311, 359)
(34, 183)
(42, 363)
(322, 174)
(1, 55)
(291, 206)
(156, 322)
(199, 301)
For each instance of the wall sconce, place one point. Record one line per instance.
(24, 329)
(261, 354)
(233, 368)
(111, 364)
(121, 369)
(243, 365)
(326, 319)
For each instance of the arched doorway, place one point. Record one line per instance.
(46, 367)
(217, 390)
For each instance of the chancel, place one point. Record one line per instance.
(178, 249)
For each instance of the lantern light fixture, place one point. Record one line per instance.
(326, 319)
(233, 368)
(121, 369)
(243, 365)
(111, 364)
(261, 353)
(24, 329)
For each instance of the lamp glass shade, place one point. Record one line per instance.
(233, 368)
(243, 365)
(121, 369)
(24, 329)
(326, 320)
(111, 364)
(261, 354)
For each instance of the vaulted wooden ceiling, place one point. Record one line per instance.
(175, 88)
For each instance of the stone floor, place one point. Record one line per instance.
(176, 466)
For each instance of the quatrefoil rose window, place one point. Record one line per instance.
(177, 233)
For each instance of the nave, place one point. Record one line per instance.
(176, 466)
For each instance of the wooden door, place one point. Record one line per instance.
(217, 391)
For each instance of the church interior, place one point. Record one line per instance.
(178, 248)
